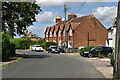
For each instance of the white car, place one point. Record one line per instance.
(37, 48)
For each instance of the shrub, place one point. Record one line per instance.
(100, 55)
(82, 50)
(50, 43)
(21, 43)
(8, 49)
(112, 59)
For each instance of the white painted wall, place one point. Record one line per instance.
(111, 38)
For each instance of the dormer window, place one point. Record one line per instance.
(59, 33)
(70, 32)
(64, 33)
(54, 34)
(46, 34)
(50, 34)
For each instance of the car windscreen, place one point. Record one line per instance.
(37, 46)
(54, 47)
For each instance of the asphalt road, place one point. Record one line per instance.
(44, 65)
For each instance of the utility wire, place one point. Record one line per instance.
(80, 7)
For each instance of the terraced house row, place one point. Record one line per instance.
(77, 32)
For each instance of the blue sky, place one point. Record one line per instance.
(105, 12)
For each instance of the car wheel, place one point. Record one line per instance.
(90, 55)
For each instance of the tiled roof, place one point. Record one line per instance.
(48, 29)
(73, 23)
(52, 28)
(61, 27)
(67, 27)
(56, 27)
(76, 20)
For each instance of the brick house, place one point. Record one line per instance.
(77, 32)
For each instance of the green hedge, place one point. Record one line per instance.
(50, 43)
(112, 59)
(8, 49)
(21, 43)
(85, 49)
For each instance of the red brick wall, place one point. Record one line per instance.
(97, 33)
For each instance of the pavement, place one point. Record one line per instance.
(101, 65)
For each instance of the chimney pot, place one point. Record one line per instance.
(58, 19)
(71, 16)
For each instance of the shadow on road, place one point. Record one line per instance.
(32, 55)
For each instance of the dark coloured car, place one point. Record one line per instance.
(95, 51)
(53, 49)
(62, 49)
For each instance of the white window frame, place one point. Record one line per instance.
(50, 34)
(54, 34)
(70, 32)
(64, 32)
(46, 34)
(59, 33)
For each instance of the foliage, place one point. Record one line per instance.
(40, 42)
(50, 43)
(21, 43)
(8, 49)
(17, 16)
(85, 49)
(112, 59)
(100, 55)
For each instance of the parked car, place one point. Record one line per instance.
(62, 49)
(105, 51)
(37, 48)
(53, 49)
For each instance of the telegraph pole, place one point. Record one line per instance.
(65, 11)
(116, 73)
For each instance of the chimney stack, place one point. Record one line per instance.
(58, 19)
(71, 16)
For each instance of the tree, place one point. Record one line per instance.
(17, 16)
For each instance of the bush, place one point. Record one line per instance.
(82, 50)
(40, 42)
(21, 43)
(100, 55)
(50, 43)
(112, 59)
(8, 49)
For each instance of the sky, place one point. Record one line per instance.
(105, 12)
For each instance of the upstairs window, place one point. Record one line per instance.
(59, 33)
(70, 32)
(64, 33)
(46, 34)
(50, 34)
(54, 34)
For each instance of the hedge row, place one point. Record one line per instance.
(8, 49)
(21, 43)
(85, 49)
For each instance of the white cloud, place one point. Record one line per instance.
(77, 0)
(37, 30)
(106, 14)
(46, 17)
